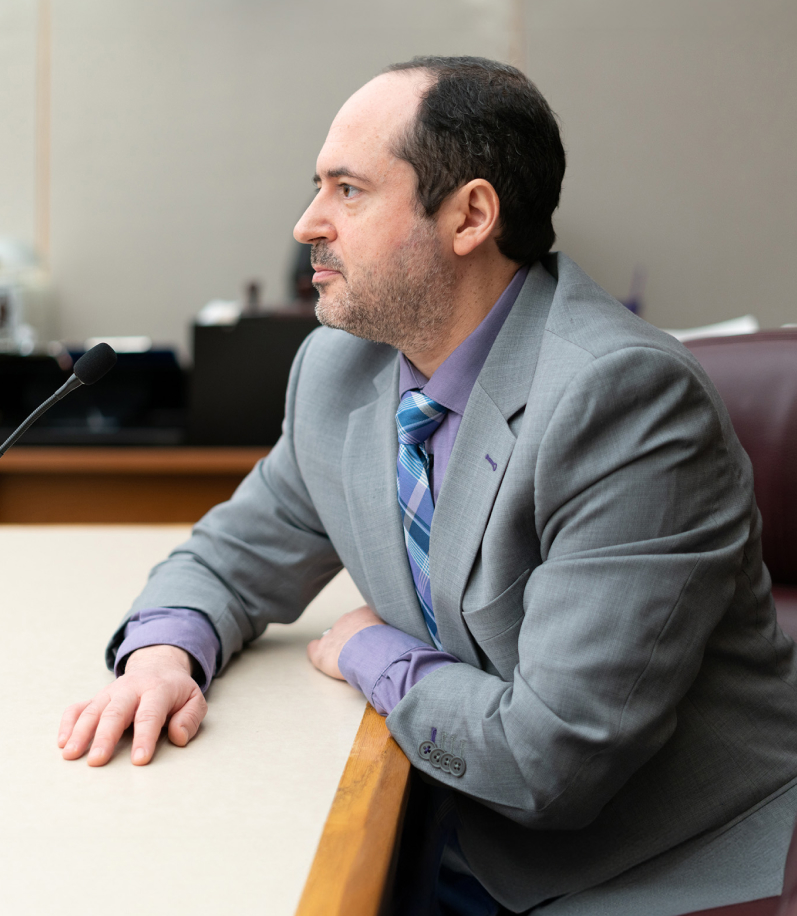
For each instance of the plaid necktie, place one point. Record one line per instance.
(417, 418)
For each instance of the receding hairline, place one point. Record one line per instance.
(420, 74)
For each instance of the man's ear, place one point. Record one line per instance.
(474, 212)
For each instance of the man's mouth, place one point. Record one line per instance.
(324, 273)
(325, 264)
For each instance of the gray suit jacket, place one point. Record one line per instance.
(624, 685)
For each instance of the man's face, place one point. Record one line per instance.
(380, 268)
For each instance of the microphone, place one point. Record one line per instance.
(89, 369)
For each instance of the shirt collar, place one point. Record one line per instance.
(453, 380)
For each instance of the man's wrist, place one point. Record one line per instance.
(366, 656)
(181, 628)
(148, 655)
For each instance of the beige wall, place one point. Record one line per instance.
(184, 134)
(17, 112)
(680, 121)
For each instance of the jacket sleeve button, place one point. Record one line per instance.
(426, 748)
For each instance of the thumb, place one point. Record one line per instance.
(184, 724)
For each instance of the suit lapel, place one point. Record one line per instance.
(480, 457)
(469, 488)
(369, 480)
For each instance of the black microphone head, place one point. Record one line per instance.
(91, 367)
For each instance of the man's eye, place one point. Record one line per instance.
(348, 191)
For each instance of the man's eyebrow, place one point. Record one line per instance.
(339, 173)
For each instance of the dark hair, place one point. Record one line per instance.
(484, 119)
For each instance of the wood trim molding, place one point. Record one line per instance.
(133, 460)
(352, 867)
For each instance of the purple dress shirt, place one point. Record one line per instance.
(381, 661)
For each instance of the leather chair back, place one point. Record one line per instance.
(756, 376)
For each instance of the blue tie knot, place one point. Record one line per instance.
(418, 417)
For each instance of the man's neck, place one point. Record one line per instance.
(474, 296)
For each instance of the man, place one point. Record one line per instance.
(568, 620)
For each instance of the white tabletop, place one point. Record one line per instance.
(229, 824)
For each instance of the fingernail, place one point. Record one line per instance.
(71, 748)
(61, 740)
(139, 754)
(95, 753)
(184, 730)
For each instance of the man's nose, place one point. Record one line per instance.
(313, 224)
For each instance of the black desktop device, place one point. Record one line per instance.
(240, 378)
(142, 402)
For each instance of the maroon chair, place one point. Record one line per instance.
(756, 376)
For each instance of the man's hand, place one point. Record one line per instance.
(325, 652)
(157, 683)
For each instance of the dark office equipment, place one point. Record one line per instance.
(142, 402)
(90, 368)
(252, 303)
(240, 378)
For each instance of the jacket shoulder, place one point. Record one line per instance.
(586, 325)
(584, 315)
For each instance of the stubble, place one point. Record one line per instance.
(407, 302)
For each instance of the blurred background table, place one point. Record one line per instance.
(119, 485)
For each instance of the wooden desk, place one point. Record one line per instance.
(118, 485)
(229, 824)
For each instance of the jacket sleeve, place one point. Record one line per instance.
(642, 511)
(259, 558)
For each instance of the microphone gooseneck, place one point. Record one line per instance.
(89, 369)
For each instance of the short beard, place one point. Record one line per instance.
(407, 303)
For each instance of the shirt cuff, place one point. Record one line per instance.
(386, 663)
(182, 627)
